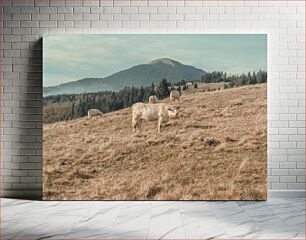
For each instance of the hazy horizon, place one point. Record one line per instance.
(69, 58)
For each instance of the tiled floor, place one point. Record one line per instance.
(273, 219)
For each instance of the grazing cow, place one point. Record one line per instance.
(152, 112)
(174, 95)
(94, 112)
(189, 85)
(153, 99)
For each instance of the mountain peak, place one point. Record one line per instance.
(164, 61)
(141, 75)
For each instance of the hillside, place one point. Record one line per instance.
(79, 86)
(140, 75)
(215, 149)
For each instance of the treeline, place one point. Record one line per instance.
(57, 109)
(71, 106)
(238, 80)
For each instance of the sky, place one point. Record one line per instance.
(69, 58)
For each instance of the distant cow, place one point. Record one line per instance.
(94, 112)
(152, 112)
(174, 95)
(189, 85)
(153, 99)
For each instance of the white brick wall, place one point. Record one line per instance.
(25, 21)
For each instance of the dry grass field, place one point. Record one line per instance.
(215, 150)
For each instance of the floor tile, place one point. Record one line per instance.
(273, 219)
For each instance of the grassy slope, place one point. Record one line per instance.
(101, 158)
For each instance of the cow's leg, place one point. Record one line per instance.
(139, 125)
(134, 125)
(160, 122)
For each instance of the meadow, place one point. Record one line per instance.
(216, 149)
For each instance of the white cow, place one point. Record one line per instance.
(94, 112)
(153, 99)
(174, 95)
(152, 112)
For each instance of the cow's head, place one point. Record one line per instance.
(172, 110)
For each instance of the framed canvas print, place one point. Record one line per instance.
(155, 117)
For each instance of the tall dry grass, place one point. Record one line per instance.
(215, 150)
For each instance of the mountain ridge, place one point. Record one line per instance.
(139, 75)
